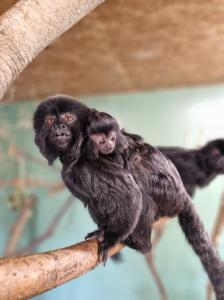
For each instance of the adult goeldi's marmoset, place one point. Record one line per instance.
(124, 199)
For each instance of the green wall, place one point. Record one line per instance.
(184, 117)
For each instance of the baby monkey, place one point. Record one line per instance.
(106, 139)
(103, 131)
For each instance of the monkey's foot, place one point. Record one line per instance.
(108, 242)
(95, 235)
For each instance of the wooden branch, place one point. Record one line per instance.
(29, 27)
(217, 231)
(50, 230)
(25, 277)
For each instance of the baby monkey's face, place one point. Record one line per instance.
(104, 143)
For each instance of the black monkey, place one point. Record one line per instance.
(197, 167)
(125, 202)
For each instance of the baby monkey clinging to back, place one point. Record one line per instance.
(108, 140)
(104, 134)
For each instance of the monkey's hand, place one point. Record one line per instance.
(95, 235)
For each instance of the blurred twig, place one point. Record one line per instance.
(18, 227)
(50, 230)
(30, 157)
(158, 230)
(34, 182)
(150, 261)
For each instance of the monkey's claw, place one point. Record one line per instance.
(95, 235)
(109, 241)
(103, 252)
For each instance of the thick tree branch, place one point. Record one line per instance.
(25, 277)
(29, 26)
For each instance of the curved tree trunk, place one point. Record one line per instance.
(24, 277)
(29, 26)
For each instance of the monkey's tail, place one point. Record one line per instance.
(197, 236)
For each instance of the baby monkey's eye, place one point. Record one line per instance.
(101, 141)
(112, 139)
(68, 118)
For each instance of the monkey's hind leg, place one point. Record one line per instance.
(110, 239)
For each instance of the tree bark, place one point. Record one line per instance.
(25, 277)
(29, 26)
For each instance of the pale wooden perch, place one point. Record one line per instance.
(28, 276)
(29, 27)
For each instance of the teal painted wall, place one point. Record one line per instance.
(184, 117)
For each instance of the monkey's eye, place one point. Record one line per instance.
(112, 139)
(68, 118)
(50, 120)
(101, 141)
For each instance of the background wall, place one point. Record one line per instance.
(184, 117)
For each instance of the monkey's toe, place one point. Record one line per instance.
(95, 235)
(108, 242)
(103, 252)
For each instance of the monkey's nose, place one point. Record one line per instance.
(59, 134)
(109, 146)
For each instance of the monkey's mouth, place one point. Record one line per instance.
(107, 151)
(61, 141)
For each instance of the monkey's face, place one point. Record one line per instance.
(60, 128)
(216, 160)
(213, 156)
(104, 143)
(59, 124)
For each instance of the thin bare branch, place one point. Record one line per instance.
(156, 277)
(50, 230)
(158, 230)
(17, 229)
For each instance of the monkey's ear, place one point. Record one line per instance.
(46, 149)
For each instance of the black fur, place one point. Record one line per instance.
(197, 168)
(125, 200)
